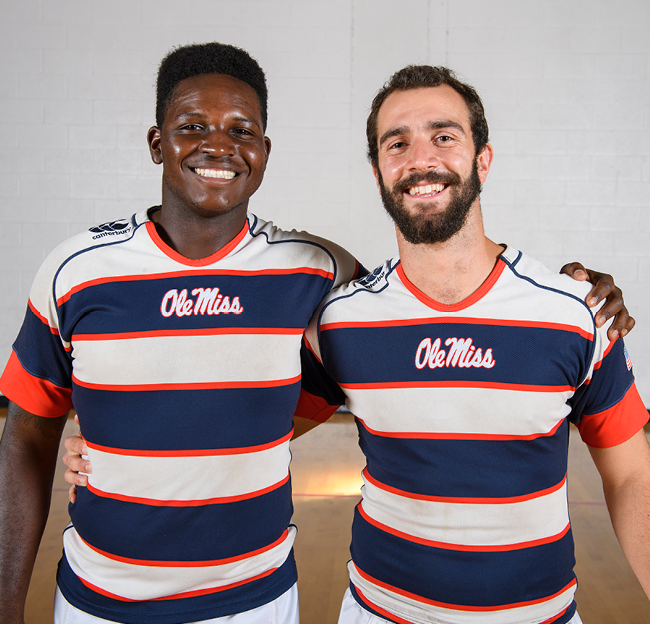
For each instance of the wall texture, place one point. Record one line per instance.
(566, 84)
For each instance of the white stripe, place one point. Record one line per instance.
(142, 582)
(469, 524)
(204, 478)
(187, 359)
(421, 613)
(453, 410)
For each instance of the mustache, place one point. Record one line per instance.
(430, 177)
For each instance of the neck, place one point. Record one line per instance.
(451, 271)
(197, 236)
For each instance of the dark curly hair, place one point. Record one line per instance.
(424, 76)
(207, 58)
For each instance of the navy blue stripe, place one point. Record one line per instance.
(205, 533)
(178, 611)
(278, 301)
(316, 380)
(478, 579)
(608, 385)
(566, 617)
(41, 352)
(388, 354)
(512, 265)
(199, 419)
(467, 468)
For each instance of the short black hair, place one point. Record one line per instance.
(207, 58)
(421, 77)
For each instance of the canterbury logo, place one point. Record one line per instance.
(117, 227)
(461, 353)
(207, 301)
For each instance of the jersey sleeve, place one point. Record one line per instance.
(320, 395)
(607, 408)
(38, 375)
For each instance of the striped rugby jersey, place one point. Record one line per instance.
(463, 415)
(185, 375)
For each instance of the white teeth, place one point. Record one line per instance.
(215, 173)
(426, 190)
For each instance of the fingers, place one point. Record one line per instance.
(72, 494)
(75, 445)
(77, 463)
(604, 288)
(576, 271)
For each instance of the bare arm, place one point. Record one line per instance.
(28, 453)
(625, 470)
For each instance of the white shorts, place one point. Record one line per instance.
(282, 610)
(352, 613)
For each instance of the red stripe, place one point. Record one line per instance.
(189, 564)
(464, 500)
(37, 396)
(208, 331)
(462, 547)
(41, 318)
(198, 592)
(216, 385)
(219, 500)
(179, 274)
(456, 384)
(445, 605)
(379, 610)
(191, 453)
(460, 320)
(310, 348)
(313, 407)
(418, 435)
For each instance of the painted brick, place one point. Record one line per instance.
(43, 186)
(93, 136)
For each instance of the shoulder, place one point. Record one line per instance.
(360, 296)
(303, 247)
(530, 271)
(74, 249)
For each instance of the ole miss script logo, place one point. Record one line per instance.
(461, 353)
(202, 301)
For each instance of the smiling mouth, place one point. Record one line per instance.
(426, 190)
(222, 174)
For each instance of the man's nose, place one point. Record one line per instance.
(423, 156)
(217, 143)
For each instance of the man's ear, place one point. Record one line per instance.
(376, 174)
(267, 150)
(484, 162)
(155, 150)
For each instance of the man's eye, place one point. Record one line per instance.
(192, 127)
(243, 132)
(397, 145)
(444, 139)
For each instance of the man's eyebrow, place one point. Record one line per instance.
(198, 115)
(445, 123)
(392, 132)
(432, 125)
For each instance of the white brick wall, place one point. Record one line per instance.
(566, 85)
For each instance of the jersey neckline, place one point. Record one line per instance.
(174, 255)
(478, 294)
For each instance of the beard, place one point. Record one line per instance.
(417, 227)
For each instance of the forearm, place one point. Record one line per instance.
(629, 508)
(28, 453)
